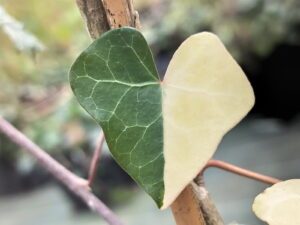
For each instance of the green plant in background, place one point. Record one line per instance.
(245, 26)
(35, 89)
(36, 97)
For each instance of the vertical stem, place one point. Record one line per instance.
(120, 13)
(195, 207)
(208, 208)
(186, 208)
(94, 16)
(103, 15)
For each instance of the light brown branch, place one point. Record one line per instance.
(240, 171)
(186, 208)
(120, 13)
(95, 159)
(94, 16)
(103, 15)
(76, 184)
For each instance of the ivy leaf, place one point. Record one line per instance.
(279, 204)
(162, 133)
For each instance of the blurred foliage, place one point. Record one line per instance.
(34, 92)
(22, 39)
(254, 26)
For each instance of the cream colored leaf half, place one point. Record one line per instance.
(205, 94)
(279, 204)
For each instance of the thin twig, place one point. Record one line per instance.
(95, 159)
(76, 184)
(240, 171)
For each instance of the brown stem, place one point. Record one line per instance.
(94, 16)
(103, 15)
(120, 13)
(95, 159)
(186, 208)
(240, 171)
(76, 184)
(209, 210)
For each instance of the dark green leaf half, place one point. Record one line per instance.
(116, 81)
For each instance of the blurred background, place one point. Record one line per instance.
(38, 42)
